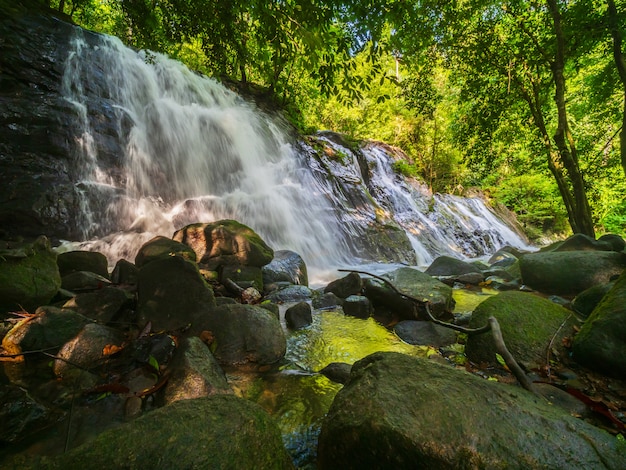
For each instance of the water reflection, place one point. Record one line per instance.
(297, 396)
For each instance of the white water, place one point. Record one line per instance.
(192, 151)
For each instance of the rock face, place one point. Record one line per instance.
(570, 272)
(403, 412)
(528, 324)
(221, 431)
(601, 342)
(38, 193)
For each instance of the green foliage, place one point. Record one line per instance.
(535, 200)
(405, 168)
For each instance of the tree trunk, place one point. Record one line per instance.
(620, 64)
(582, 221)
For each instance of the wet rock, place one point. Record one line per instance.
(124, 272)
(161, 247)
(600, 344)
(101, 305)
(290, 294)
(173, 295)
(194, 373)
(448, 266)
(424, 333)
(21, 415)
(49, 329)
(220, 431)
(29, 276)
(245, 334)
(286, 266)
(84, 280)
(502, 259)
(570, 272)
(327, 300)
(74, 261)
(352, 284)
(396, 412)
(225, 242)
(337, 372)
(86, 349)
(358, 306)
(467, 278)
(529, 325)
(416, 284)
(298, 316)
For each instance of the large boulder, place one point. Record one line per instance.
(101, 305)
(220, 431)
(404, 412)
(74, 261)
(448, 266)
(194, 373)
(601, 342)
(173, 295)
(351, 284)
(570, 272)
(416, 284)
(529, 324)
(225, 242)
(287, 266)
(47, 330)
(162, 247)
(246, 335)
(29, 276)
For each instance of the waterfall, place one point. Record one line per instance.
(159, 147)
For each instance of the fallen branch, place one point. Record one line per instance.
(492, 325)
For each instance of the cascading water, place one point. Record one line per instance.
(179, 148)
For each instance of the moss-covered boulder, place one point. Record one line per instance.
(173, 295)
(570, 272)
(414, 283)
(246, 335)
(225, 242)
(601, 342)
(162, 247)
(221, 431)
(29, 276)
(585, 302)
(404, 412)
(528, 323)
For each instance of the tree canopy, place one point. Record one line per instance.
(523, 98)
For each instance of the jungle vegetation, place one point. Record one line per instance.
(524, 99)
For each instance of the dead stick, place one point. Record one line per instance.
(510, 361)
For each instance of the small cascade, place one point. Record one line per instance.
(159, 147)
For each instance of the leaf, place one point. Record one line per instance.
(153, 363)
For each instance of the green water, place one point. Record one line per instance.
(296, 395)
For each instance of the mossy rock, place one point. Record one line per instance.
(601, 342)
(162, 247)
(528, 323)
(29, 277)
(404, 412)
(225, 242)
(570, 272)
(220, 431)
(173, 295)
